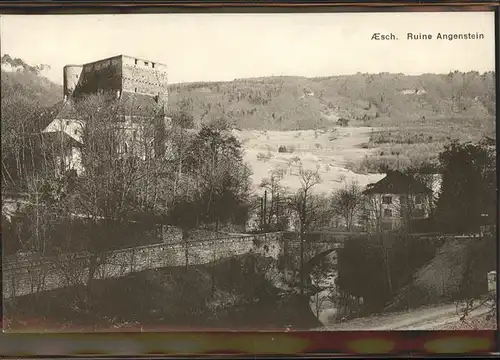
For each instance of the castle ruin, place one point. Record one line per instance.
(140, 88)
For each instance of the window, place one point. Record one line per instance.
(67, 122)
(136, 61)
(135, 90)
(153, 65)
(387, 213)
(146, 63)
(387, 200)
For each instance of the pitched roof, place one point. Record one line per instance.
(396, 182)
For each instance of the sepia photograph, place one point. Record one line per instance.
(249, 171)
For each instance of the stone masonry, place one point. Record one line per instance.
(31, 276)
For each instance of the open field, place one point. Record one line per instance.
(355, 153)
(328, 151)
(417, 143)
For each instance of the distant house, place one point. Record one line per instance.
(395, 202)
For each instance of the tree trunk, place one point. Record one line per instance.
(317, 305)
(265, 208)
(348, 223)
(301, 261)
(185, 236)
(387, 265)
(213, 277)
(93, 261)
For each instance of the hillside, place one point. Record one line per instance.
(27, 98)
(21, 81)
(390, 120)
(298, 103)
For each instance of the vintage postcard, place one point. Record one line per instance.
(249, 171)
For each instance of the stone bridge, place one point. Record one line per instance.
(33, 275)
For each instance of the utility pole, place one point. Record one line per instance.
(265, 207)
(261, 213)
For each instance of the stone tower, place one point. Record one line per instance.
(119, 74)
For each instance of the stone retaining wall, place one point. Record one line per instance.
(34, 275)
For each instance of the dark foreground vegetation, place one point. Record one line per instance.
(236, 293)
(391, 278)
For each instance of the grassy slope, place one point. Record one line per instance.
(29, 103)
(401, 129)
(31, 87)
(328, 152)
(296, 103)
(460, 102)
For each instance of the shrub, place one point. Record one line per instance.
(332, 135)
(480, 260)
(405, 255)
(343, 122)
(284, 149)
(263, 157)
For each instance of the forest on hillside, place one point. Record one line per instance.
(295, 103)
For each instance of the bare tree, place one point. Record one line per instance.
(273, 187)
(377, 218)
(305, 207)
(120, 181)
(348, 203)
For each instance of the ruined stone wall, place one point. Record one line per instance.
(145, 77)
(27, 277)
(118, 74)
(71, 79)
(104, 75)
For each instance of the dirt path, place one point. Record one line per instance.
(426, 318)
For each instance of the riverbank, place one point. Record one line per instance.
(239, 293)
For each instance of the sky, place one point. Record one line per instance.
(222, 47)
